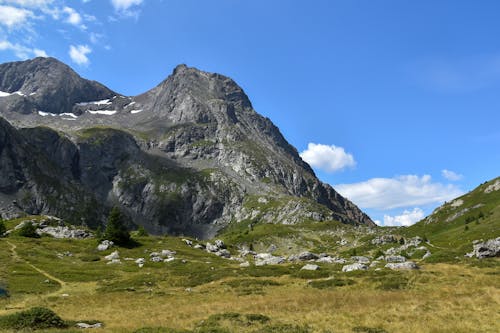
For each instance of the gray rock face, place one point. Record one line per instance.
(183, 158)
(46, 85)
(489, 248)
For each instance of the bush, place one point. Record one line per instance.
(115, 229)
(28, 230)
(141, 232)
(3, 229)
(34, 318)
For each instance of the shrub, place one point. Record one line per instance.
(34, 318)
(28, 230)
(3, 229)
(115, 229)
(141, 232)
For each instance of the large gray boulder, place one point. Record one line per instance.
(354, 267)
(489, 248)
(262, 259)
(402, 265)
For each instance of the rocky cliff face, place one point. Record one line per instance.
(189, 156)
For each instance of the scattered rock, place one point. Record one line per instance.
(307, 256)
(402, 265)
(167, 253)
(211, 248)
(199, 246)
(104, 245)
(63, 232)
(493, 187)
(169, 259)
(156, 259)
(326, 260)
(114, 261)
(374, 263)
(272, 248)
(360, 259)
(220, 244)
(262, 259)
(384, 239)
(245, 264)
(188, 242)
(490, 248)
(140, 262)
(223, 253)
(395, 258)
(354, 267)
(85, 325)
(310, 267)
(114, 255)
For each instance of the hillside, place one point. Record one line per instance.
(453, 227)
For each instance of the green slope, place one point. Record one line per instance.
(452, 227)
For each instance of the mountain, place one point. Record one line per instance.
(453, 227)
(190, 156)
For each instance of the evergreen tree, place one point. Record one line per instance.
(3, 229)
(115, 229)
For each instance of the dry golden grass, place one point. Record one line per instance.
(443, 298)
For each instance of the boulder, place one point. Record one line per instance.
(85, 325)
(326, 260)
(384, 239)
(211, 248)
(354, 267)
(112, 256)
(262, 259)
(114, 261)
(360, 259)
(167, 253)
(156, 259)
(490, 248)
(188, 242)
(223, 253)
(104, 245)
(310, 267)
(199, 246)
(307, 256)
(220, 244)
(395, 258)
(402, 265)
(169, 259)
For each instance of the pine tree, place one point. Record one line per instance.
(3, 229)
(115, 229)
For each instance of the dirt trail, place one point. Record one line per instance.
(39, 270)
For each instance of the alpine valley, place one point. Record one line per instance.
(184, 210)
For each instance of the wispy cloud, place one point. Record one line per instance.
(451, 175)
(21, 51)
(127, 8)
(13, 17)
(329, 158)
(398, 192)
(407, 218)
(458, 75)
(79, 53)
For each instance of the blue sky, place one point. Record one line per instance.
(394, 103)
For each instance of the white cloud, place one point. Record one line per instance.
(400, 191)
(79, 54)
(327, 158)
(451, 175)
(13, 17)
(21, 51)
(29, 3)
(124, 5)
(407, 218)
(73, 17)
(40, 53)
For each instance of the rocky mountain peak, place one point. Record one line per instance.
(45, 84)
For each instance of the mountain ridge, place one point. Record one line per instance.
(187, 156)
